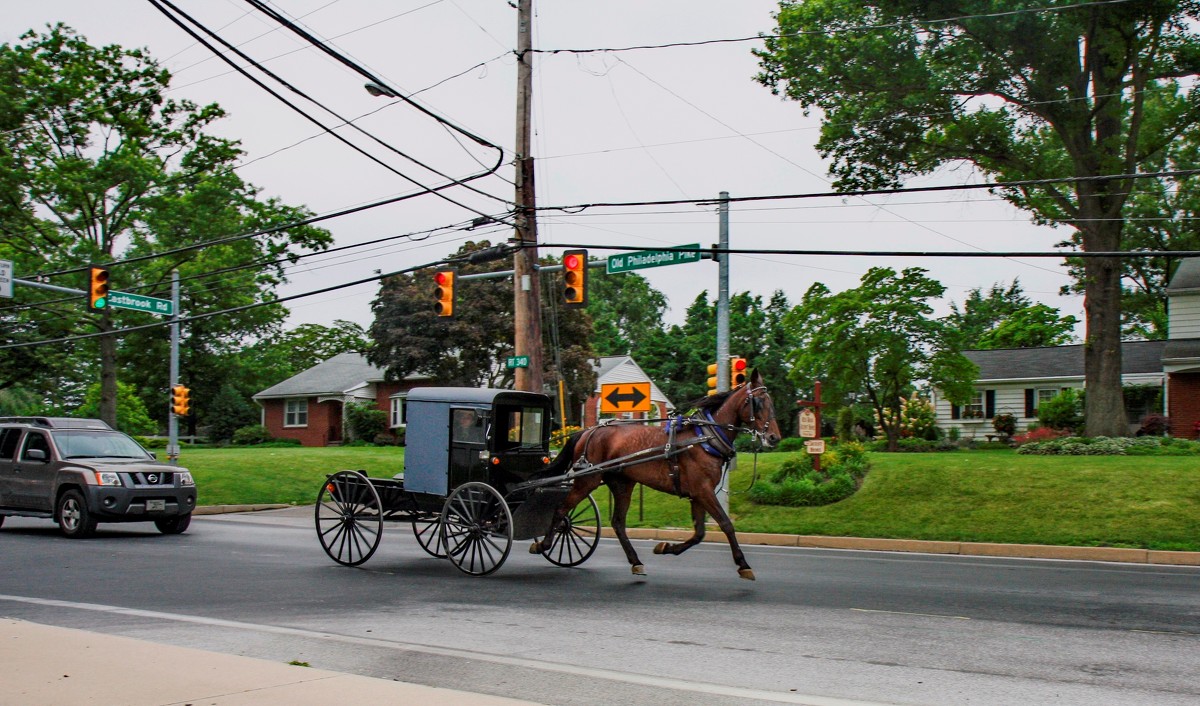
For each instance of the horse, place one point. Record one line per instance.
(686, 457)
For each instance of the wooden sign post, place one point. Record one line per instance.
(809, 424)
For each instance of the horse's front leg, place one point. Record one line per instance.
(713, 506)
(698, 515)
(622, 490)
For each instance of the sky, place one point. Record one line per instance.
(629, 126)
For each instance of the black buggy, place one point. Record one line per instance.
(476, 477)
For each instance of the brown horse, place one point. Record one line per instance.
(686, 457)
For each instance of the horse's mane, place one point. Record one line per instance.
(711, 402)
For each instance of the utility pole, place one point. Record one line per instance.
(527, 299)
(173, 373)
(724, 378)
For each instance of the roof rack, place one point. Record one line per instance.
(57, 422)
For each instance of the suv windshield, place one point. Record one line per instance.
(97, 444)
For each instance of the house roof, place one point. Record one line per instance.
(1186, 278)
(622, 368)
(1137, 357)
(336, 376)
(1185, 349)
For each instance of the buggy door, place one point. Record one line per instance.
(468, 442)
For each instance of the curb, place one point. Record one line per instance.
(916, 546)
(1023, 551)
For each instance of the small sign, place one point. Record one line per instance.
(6, 278)
(808, 424)
(516, 361)
(815, 446)
(625, 397)
(137, 302)
(642, 259)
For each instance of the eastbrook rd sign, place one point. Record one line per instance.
(643, 259)
(138, 302)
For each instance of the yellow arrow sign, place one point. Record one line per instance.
(625, 397)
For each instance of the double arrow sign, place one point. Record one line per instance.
(625, 397)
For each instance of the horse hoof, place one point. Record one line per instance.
(661, 548)
(535, 548)
(747, 574)
(639, 570)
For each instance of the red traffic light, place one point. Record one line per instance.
(574, 293)
(444, 292)
(737, 371)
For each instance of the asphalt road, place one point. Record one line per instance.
(819, 626)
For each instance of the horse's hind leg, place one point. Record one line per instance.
(622, 490)
(713, 506)
(698, 516)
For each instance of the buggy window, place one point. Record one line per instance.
(521, 427)
(466, 427)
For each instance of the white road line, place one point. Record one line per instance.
(639, 679)
(901, 612)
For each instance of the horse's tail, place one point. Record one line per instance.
(561, 463)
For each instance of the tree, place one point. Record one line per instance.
(626, 310)
(880, 339)
(1050, 90)
(104, 167)
(132, 417)
(981, 314)
(1032, 327)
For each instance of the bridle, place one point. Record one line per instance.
(757, 404)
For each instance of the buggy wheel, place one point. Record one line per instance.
(576, 538)
(349, 520)
(476, 529)
(428, 531)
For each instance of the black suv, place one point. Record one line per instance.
(79, 472)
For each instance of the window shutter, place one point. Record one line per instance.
(1029, 410)
(990, 404)
(955, 411)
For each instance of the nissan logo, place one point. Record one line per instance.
(152, 478)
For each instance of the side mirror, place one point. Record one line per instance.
(36, 455)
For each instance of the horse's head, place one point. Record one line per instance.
(757, 412)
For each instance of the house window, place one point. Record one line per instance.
(399, 412)
(1045, 394)
(295, 413)
(974, 408)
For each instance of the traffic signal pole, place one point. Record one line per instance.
(172, 420)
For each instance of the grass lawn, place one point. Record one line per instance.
(980, 496)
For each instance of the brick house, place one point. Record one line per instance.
(1015, 381)
(311, 405)
(623, 369)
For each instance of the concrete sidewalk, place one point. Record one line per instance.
(1021, 551)
(52, 666)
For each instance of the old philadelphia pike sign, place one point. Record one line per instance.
(643, 259)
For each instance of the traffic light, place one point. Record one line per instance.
(97, 289)
(180, 404)
(444, 292)
(712, 378)
(575, 264)
(737, 371)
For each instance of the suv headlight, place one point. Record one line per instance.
(108, 478)
(185, 478)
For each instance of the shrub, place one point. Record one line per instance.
(1037, 434)
(1154, 425)
(1063, 411)
(792, 443)
(366, 421)
(254, 434)
(797, 484)
(558, 437)
(1004, 424)
(917, 418)
(845, 424)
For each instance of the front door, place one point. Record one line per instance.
(32, 473)
(468, 441)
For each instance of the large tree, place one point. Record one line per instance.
(103, 167)
(1047, 89)
(878, 339)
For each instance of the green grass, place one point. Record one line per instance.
(978, 496)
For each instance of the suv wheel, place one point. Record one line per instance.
(173, 525)
(73, 516)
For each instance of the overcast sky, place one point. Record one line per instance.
(645, 125)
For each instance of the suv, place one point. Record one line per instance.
(81, 471)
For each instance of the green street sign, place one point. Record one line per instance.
(517, 361)
(642, 259)
(137, 302)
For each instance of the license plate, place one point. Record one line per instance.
(156, 505)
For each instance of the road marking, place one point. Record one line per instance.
(901, 612)
(639, 679)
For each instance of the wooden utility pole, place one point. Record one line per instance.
(527, 299)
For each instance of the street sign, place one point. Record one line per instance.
(516, 361)
(137, 302)
(815, 446)
(808, 424)
(642, 259)
(625, 397)
(6, 278)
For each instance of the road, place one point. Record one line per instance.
(818, 627)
